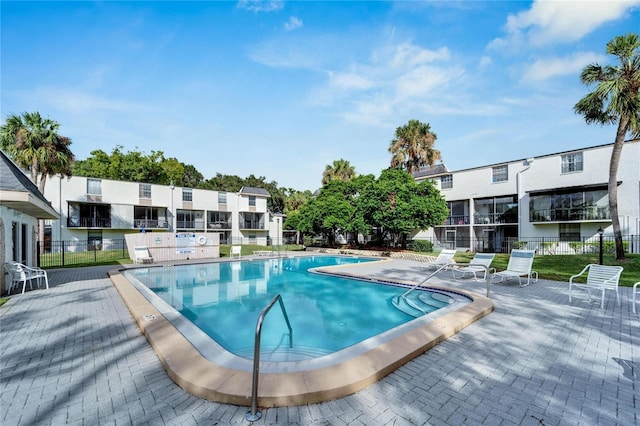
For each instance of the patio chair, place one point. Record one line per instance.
(599, 278)
(236, 251)
(520, 265)
(19, 273)
(142, 255)
(477, 265)
(444, 257)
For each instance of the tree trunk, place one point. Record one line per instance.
(613, 185)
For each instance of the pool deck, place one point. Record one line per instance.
(74, 355)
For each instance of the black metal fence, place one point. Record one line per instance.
(542, 245)
(65, 253)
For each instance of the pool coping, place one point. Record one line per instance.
(205, 379)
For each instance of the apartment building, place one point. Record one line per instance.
(562, 197)
(101, 210)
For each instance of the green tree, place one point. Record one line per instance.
(398, 205)
(327, 214)
(413, 146)
(615, 100)
(34, 144)
(340, 170)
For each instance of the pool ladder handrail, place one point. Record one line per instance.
(445, 266)
(254, 414)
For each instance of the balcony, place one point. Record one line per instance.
(196, 225)
(493, 218)
(88, 222)
(457, 220)
(219, 225)
(150, 224)
(252, 225)
(570, 214)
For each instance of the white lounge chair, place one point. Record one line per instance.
(444, 257)
(19, 273)
(236, 251)
(599, 278)
(520, 265)
(480, 263)
(142, 255)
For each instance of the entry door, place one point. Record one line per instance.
(450, 238)
(488, 239)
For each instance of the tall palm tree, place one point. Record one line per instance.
(412, 146)
(615, 100)
(34, 144)
(340, 170)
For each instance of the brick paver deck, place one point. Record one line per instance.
(72, 355)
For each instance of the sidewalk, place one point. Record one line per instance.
(73, 355)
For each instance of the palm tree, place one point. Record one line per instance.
(35, 145)
(412, 146)
(615, 100)
(340, 170)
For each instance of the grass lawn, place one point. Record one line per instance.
(562, 267)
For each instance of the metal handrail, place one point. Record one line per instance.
(487, 275)
(254, 414)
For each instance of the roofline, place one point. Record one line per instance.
(637, 140)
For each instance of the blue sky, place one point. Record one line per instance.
(281, 89)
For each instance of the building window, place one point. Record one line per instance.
(569, 231)
(252, 200)
(572, 163)
(187, 194)
(446, 182)
(222, 198)
(144, 190)
(94, 239)
(500, 174)
(94, 187)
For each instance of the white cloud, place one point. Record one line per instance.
(293, 24)
(561, 21)
(485, 61)
(261, 5)
(544, 69)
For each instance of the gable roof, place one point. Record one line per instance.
(252, 190)
(17, 192)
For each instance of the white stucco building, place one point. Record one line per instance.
(559, 197)
(103, 210)
(21, 206)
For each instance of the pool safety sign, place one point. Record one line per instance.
(185, 243)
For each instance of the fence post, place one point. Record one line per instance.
(62, 249)
(38, 253)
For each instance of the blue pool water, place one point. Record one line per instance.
(327, 313)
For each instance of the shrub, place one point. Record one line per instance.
(422, 246)
(520, 245)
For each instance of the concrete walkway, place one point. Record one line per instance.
(72, 355)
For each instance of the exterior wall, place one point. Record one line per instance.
(540, 175)
(25, 244)
(121, 198)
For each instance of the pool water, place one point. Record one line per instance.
(327, 313)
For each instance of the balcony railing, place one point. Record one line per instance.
(482, 219)
(149, 223)
(569, 214)
(251, 225)
(219, 225)
(190, 224)
(457, 220)
(88, 222)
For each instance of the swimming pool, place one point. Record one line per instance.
(327, 313)
(203, 368)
